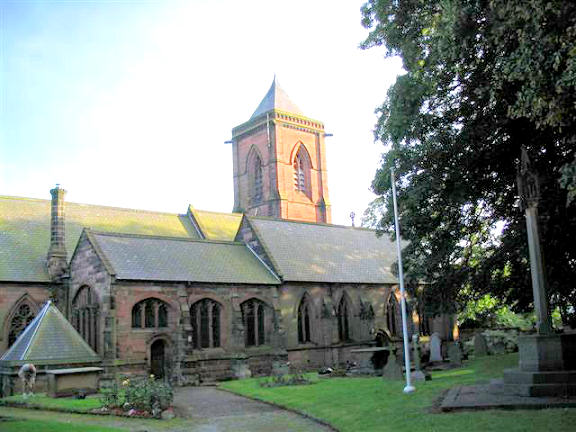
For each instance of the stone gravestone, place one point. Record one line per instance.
(499, 347)
(455, 354)
(240, 369)
(435, 348)
(392, 370)
(280, 368)
(480, 345)
(418, 374)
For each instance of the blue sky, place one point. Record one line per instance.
(128, 103)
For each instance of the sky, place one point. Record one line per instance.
(129, 103)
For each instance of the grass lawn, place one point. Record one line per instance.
(18, 425)
(371, 404)
(40, 400)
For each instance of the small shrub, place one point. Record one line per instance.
(141, 394)
(286, 380)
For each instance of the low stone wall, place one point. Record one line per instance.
(314, 357)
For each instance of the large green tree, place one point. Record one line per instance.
(482, 79)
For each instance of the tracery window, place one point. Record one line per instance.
(23, 316)
(254, 317)
(85, 316)
(343, 314)
(301, 166)
(150, 313)
(205, 320)
(304, 313)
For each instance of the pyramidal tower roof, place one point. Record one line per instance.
(49, 339)
(276, 99)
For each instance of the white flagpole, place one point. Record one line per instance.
(409, 388)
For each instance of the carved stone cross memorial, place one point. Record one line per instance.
(529, 191)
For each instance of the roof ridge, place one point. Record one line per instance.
(92, 205)
(217, 212)
(321, 224)
(159, 237)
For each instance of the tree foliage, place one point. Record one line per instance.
(482, 79)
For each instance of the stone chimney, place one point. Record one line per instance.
(57, 258)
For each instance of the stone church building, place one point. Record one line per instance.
(201, 296)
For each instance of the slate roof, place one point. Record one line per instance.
(276, 99)
(302, 251)
(49, 339)
(137, 257)
(25, 231)
(217, 226)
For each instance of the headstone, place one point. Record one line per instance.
(392, 370)
(240, 369)
(480, 346)
(280, 368)
(418, 374)
(455, 354)
(499, 347)
(416, 351)
(435, 348)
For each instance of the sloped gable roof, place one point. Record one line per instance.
(137, 257)
(310, 252)
(25, 231)
(216, 225)
(49, 339)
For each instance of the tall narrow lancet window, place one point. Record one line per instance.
(150, 313)
(254, 317)
(304, 315)
(302, 166)
(21, 317)
(255, 176)
(205, 320)
(391, 315)
(85, 316)
(343, 315)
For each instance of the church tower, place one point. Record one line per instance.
(280, 162)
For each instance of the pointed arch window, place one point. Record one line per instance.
(254, 318)
(205, 319)
(344, 314)
(302, 166)
(150, 313)
(85, 316)
(304, 318)
(391, 315)
(21, 317)
(255, 176)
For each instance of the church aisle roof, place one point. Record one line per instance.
(25, 231)
(215, 225)
(302, 251)
(138, 257)
(276, 99)
(49, 339)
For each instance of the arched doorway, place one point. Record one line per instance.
(158, 357)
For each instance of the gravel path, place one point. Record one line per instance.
(221, 411)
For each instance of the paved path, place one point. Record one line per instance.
(220, 411)
(200, 409)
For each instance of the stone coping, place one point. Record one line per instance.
(74, 370)
(372, 350)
